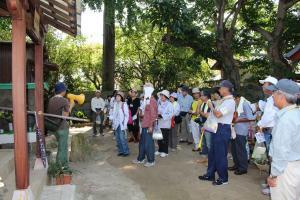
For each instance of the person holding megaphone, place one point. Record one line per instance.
(59, 105)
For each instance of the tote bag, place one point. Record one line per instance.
(211, 124)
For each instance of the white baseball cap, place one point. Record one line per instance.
(269, 79)
(195, 90)
(165, 93)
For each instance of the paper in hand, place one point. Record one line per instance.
(260, 137)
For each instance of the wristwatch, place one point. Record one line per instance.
(271, 176)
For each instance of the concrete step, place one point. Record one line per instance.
(38, 179)
(7, 164)
(58, 192)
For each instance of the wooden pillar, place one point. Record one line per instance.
(19, 100)
(39, 88)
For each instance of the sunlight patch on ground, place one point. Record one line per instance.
(100, 163)
(1, 183)
(128, 167)
(80, 130)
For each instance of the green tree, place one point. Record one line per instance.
(142, 57)
(278, 25)
(79, 64)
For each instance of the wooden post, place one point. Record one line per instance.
(19, 100)
(39, 88)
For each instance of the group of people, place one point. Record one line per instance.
(213, 122)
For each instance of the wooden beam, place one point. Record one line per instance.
(57, 17)
(19, 100)
(56, 11)
(58, 4)
(39, 88)
(15, 8)
(59, 25)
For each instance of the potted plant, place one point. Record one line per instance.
(61, 173)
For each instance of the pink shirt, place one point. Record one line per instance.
(150, 114)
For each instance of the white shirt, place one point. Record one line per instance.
(120, 115)
(166, 110)
(227, 108)
(268, 118)
(97, 103)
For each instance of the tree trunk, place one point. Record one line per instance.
(108, 46)
(229, 65)
(280, 67)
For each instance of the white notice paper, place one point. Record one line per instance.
(260, 137)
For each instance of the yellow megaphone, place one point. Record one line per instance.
(78, 98)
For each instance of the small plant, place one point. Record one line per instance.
(56, 169)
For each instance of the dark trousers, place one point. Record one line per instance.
(95, 125)
(239, 152)
(146, 146)
(163, 145)
(217, 156)
(173, 137)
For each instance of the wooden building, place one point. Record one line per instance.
(32, 18)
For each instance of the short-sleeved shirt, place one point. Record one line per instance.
(185, 102)
(134, 105)
(243, 127)
(57, 105)
(195, 105)
(227, 108)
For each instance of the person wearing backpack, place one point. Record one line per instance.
(119, 119)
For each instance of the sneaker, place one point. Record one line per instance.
(163, 155)
(266, 191)
(157, 153)
(149, 164)
(138, 162)
(206, 178)
(219, 182)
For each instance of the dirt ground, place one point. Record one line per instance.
(108, 176)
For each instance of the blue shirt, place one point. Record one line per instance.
(185, 102)
(285, 144)
(243, 127)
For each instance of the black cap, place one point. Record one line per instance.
(185, 88)
(226, 83)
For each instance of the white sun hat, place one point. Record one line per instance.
(165, 93)
(269, 79)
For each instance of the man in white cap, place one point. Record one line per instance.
(284, 179)
(267, 121)
(193, 112)
(97, 106)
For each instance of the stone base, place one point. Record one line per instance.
(39, 164)
(25, 194)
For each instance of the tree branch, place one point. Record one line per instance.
(291, 3)
(264, 33)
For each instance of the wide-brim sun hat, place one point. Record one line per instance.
(121, 94)
(166, 93)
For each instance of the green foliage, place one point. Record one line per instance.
(80, 64)
(5, 29)
(142, 56)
